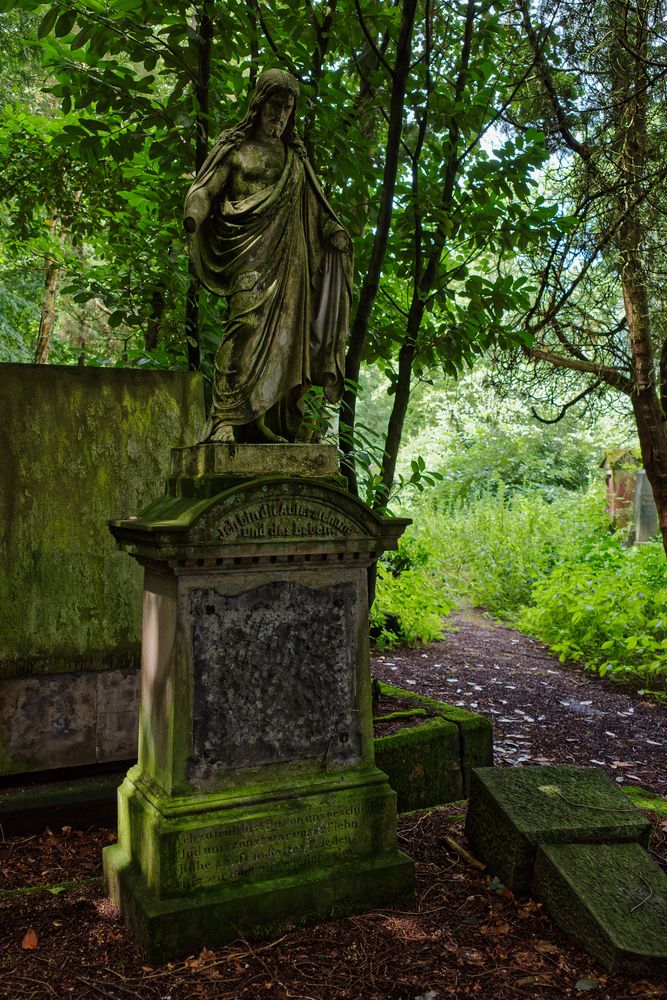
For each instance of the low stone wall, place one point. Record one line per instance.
(430, 763)
(78, 446)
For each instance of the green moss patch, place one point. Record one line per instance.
(644, 799)
(53, 890)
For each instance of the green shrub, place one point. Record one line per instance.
(409, 607)
(492, 550)
(607, 609)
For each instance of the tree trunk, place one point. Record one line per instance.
(192, 322)
(48, 316)
(371, 282)
(630, 78)
(406, 357)
(153, 326)
(424, 278)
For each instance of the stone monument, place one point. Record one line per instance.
(255, 802)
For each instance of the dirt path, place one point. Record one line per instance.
(542, 712)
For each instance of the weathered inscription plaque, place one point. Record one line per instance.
(273, 675)
(286, 517)
(283, 843)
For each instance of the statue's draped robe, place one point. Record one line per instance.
(288, 294)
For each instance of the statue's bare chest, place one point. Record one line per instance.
(255, 166)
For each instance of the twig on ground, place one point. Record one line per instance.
(585, 805)
(646, 898)
(466, 855)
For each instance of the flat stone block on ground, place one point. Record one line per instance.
(612, 897)
(512, 810)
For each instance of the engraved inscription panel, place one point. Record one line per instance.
(285, 517)
(274, 676)
(276, 844)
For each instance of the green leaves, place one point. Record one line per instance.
(48, 21)
(604, 610)
(65, 23)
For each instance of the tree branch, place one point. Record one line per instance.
(566, 406)
(371, 41)
(604, 373)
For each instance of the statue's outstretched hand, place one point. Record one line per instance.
(339, 240)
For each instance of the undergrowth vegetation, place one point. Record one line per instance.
(530, 542)
(552, 567)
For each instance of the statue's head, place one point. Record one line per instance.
(273, 103)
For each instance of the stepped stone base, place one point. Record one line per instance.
(168, 927)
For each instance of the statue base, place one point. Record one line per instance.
(255, 803)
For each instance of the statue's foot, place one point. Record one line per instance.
(217, 433)
(264, 435)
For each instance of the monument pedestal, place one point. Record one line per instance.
(255, 802)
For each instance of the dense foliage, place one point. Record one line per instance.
(604, 605)
(113, 112)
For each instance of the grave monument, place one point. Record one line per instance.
(255, 802)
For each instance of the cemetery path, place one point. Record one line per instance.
(542, 711)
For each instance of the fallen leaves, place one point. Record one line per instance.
(586, 985)
(644, 988)
(30, 940)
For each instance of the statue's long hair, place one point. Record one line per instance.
(268, 83)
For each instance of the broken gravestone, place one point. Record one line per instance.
(573, 839)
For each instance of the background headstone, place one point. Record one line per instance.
(78, 445)
(645, 510)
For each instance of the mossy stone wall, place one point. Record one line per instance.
(78, 446)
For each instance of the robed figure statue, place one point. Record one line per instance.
(263, 235)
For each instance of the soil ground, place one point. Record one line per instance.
(463, 935)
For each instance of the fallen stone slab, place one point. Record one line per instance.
(612, 897)
(512, 810)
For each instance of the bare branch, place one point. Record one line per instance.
(604, 373)
(566, 406)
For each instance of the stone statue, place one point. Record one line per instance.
(263, 234)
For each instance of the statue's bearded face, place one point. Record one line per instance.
(275, 114)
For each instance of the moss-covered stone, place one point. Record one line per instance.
(252, 859)
(612, 897)
(422, 763)
(512, 810)
(77, 446)
(164, 928)
(474, 747)
(78, 803)
(255, 800)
